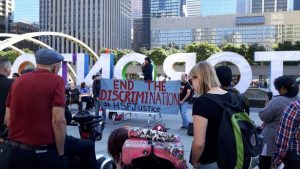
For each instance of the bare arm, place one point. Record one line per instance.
(59, 128)
(188, 92)
(7, 116)
(200, 126)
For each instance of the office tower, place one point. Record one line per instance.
(98, 23)
(141, 28)
(260, 6)
(243, 6)
(6, 17)
(265, 29)
(193, 7)
(296, 4)
(166, 8)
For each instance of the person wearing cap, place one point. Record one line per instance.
(147, 69)
(35, 116)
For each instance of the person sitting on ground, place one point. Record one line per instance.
(72, 95)
(272, 114)
(85, 96)
(224, 74)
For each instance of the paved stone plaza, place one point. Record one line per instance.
(173, 122)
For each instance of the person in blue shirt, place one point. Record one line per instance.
(85, 96)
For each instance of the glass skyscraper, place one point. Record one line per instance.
(296, 4)
(264, 29)
(218, 7)
(259, 6)
(166, 8)
(193, 7)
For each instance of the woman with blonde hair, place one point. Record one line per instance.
(207, 116)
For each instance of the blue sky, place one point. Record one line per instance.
(26, 11)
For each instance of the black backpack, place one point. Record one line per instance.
(238, 140)
(243, 101)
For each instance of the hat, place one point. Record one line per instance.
(98, 74)
(48, 57)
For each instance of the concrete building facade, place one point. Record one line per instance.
(6, 15)
(262, 28)
(98, 23)
(141, 27)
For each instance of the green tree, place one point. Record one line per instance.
(297, 45)
(158, 55)
(231, 48)
(251, 50)
(11, 55)
(118, 53)
(27, 50)
(285, 46)
(203, 50)
(240, 49)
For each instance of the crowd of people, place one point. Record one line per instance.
(33, 124)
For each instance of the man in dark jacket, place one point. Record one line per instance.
(147, 69)
(5, 83)
(96, 94)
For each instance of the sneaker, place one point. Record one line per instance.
(183, 127)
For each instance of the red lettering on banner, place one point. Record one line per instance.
(130, 85)
(109, 95)
(132, 96)
(116, 84)
(163, 86)
(156, 86)
(116, 94)
(120, 96)
(123, 85)
(127, 96)
(149, 85)
(103, 94)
